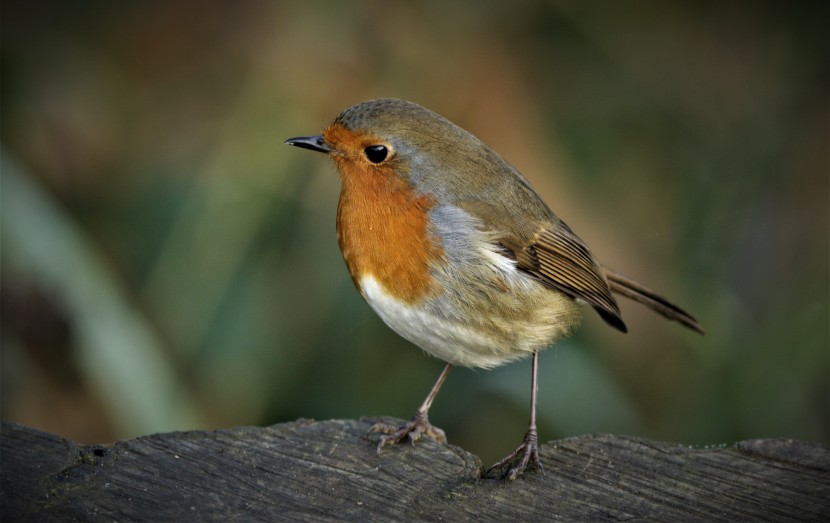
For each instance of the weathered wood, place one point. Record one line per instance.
(329, 470)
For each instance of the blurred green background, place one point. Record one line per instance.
(167, 263)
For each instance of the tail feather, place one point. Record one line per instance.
(634, 291)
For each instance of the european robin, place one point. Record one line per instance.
(455, 251)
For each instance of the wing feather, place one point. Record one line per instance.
(562, 261)
(559, 259)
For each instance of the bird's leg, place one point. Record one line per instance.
(528, 452)
(419, 425)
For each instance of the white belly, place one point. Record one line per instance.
(486, 343)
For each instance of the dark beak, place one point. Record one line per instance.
(315, 143)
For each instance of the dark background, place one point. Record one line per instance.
(167, 263)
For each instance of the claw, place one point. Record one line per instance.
(412, 430)
(419, 425)
(528, 452)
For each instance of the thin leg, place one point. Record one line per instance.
(528, 451)
(419, 425)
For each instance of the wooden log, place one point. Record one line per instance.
(329, 470)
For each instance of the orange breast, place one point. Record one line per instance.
(383, 231)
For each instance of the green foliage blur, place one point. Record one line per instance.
(169, 264)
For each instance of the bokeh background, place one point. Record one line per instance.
(167, 263)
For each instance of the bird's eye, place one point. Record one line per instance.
(376, 153)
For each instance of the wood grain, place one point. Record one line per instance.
(329, 470)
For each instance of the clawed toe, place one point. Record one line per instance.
(526, 454)
(411, 431)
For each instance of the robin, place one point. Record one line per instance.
(455, 251)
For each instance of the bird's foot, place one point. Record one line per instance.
(412, 431)
(526, 454)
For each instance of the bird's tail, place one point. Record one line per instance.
(634, 291)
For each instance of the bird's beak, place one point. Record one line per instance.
(315, 143)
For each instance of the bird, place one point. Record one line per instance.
(456, 252)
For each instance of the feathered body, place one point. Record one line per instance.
(455, 251)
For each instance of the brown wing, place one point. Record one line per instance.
(552, 253)
(562, 261)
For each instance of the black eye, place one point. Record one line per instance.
(376, 153)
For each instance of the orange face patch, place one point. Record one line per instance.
(382, 223)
